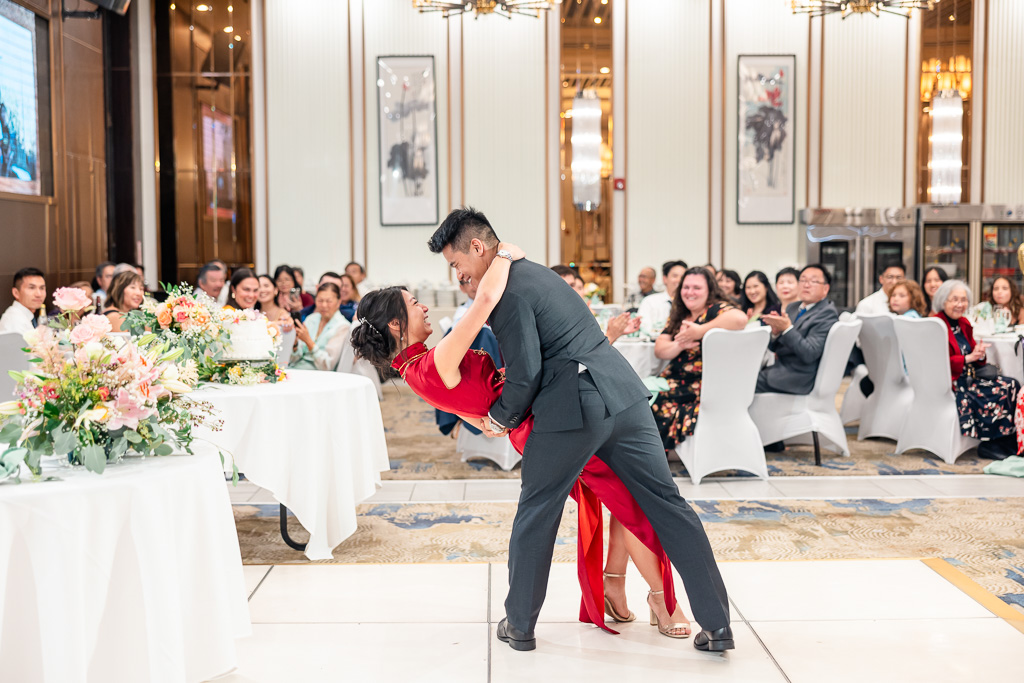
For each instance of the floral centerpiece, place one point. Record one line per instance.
(92, 396)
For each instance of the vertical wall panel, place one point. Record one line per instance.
(308, 134)
(504, 127)
(393, 27)
(862, 151)
(667, 127)
(1004, 134)
(754, 27)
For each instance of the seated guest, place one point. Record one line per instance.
(907, 299)
(698, 307)
(211, 280)
(985, 400)
(711, 269)
(321, 338)
(289, 296)
(878, 302)
(758, 298)
(29, 296)
(798, 336)
(126, 294)
(570, 276)
(786, 286)
(266, 303)
(645, 287)
(329, 276)
(244, 290)
(101, 282)
(358, 275)
(1004, 295)
(85, 287)
(658, 306)
(300, 277)
(930, 283)
(349, 297)
(729, 283)
(621, 325)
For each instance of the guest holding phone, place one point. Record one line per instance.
(321, 338)
(267, 304)
(289, 296)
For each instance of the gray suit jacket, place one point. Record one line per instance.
(546, 331)
(798, 352)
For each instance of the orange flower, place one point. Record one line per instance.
(164, 318)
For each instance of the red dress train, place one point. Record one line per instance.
(479, 387)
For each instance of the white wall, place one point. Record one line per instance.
(1004, 136)
(667, 116)
(755, 27)
(308, 150)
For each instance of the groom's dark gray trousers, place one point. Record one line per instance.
(629, 443)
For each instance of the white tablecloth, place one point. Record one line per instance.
(1001, 353)
(640, 355)
(315, 441)
(132, 575)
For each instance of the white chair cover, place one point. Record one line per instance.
(358, 366)
(11, 358)
(853, 399)
(284, 348)
(499, 451)
(886, 408)
(780, 417)
(725, 438)
(932, 423)
(446, 324)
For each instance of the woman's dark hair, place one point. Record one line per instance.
(372, 338)
(770, 298)
(352, 283)
(284, 269)
(1014, 305)
(236, 279)
(788, 271)
(942, 276)
(735, 277)
(679, 309)
(329, 287)
(119, 283)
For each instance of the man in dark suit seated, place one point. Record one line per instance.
(798, 336)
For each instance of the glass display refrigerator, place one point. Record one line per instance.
(972, 242)
(856, 245)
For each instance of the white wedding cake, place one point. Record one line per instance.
(250, 340)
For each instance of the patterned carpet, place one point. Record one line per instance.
(984, 538)
(419, 451)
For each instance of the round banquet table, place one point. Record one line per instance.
(1001, 352)
(315, 441)
(132, 575)
(640, 355)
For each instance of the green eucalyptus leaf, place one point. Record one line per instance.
(119, 448)
(12, 459)
(234, 474)
(63, 439)
(164, 449)
(94, 458)
(10, 432)
(32, 460)
(132, 436)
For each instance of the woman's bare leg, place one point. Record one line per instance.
(618, 559)
(650, 568)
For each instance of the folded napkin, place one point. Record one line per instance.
(655, 385)
(1010, 467)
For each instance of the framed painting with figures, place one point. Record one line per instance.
(766, 141)
(407, 133)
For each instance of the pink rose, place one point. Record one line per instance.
(92, 328)
(71, 299)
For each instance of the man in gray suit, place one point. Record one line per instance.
(798, 336)
(586, 400)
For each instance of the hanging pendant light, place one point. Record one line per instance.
(586, 150)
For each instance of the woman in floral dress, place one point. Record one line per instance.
(699, 306)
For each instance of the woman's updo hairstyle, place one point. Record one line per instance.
(372, 338)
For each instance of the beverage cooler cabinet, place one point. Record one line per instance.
(973, 242)
(856, 245)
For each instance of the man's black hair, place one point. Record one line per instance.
(459, 228)
(24, 273)
(667, 266)
(817, 266)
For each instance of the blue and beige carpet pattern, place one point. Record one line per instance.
(983, 537)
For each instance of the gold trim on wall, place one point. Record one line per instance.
(821, 109)
(711, 128)
(266, 148)
(807, 124)
(984, 105)
(906, 85)
(351, 146)
(721, 225)
(547, 144)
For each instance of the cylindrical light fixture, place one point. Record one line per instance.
(586, 150)
(944, 169)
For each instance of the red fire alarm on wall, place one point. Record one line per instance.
(619, 183)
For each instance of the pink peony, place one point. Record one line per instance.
(71, 299)
(92, 328)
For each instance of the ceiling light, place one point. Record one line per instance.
(503, 8)
(597, 20)
(605, 70)
(238, 38)
(229, 29)
(203, 8)
(819, 8)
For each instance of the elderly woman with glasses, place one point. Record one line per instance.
(985, 400)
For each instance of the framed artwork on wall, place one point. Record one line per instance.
(407, 134)
(766, 140)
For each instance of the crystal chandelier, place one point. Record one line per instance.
(947, 139)
(819, 8)
(586, 150)
(503, 8)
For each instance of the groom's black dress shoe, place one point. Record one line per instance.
(516, 639)
(718, 640)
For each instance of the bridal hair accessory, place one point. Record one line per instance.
(368, 323)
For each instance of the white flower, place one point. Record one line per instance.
(100, 414)
(175, 386)
(10, 408)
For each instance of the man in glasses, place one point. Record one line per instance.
(878, 303)
(798, 335)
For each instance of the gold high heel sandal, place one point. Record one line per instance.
(609, 609)
(664, 630)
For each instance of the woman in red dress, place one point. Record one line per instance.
(451, 377)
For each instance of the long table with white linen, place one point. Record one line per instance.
(132, 575)
(640, 355)
(315, 441)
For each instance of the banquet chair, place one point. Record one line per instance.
(791, 417)
(725, 437)
(853, 398)
(446, 324)
(498, 451)
(284, 349)
(11, 358)
(358, 366)
(932, 423)
(887, 407)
